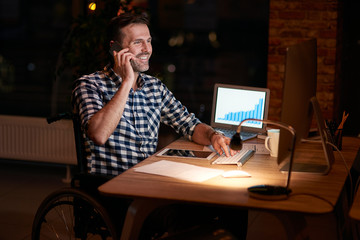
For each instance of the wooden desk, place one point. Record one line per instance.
(311, 193)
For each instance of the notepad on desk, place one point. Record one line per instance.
(181, 171)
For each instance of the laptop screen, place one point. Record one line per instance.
(232, 104)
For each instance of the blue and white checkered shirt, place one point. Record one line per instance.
(136, 136)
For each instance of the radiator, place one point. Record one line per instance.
(33, 139)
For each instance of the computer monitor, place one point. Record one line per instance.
(299, 103)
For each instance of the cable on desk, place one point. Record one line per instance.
(313, 195)
(341, 229)
(310, 141)
(346, 166)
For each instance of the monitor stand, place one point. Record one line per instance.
(325, 137)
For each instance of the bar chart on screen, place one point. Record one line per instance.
(236, 116)
(242, 115)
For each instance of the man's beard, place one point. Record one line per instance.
(140, 66)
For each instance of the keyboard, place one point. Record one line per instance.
(239, 159)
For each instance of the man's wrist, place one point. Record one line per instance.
(215, 132)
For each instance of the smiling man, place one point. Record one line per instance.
(121, 107)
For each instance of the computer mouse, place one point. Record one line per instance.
(235, 174)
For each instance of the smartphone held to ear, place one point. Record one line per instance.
(114, 47)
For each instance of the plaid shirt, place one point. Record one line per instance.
(136, 136)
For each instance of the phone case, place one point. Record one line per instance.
(115, 47)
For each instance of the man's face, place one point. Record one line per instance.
(137, 38)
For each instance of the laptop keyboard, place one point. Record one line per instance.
(247, 135)
(239, 159)
(244, 135)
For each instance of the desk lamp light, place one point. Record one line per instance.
(268, 192)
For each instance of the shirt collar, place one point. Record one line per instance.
(109, 72)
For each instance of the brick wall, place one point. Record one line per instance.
(292, 21)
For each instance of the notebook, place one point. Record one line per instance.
(233, 103)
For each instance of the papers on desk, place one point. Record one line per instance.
(181, 171)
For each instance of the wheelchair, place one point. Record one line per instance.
(79, 211)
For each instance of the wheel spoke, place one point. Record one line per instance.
(72, 214)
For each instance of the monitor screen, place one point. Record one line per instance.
(236, 105)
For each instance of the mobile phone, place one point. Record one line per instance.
(115, 47)
(169, 152)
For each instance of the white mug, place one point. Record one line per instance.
(272, 141)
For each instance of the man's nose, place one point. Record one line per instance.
(146, 47)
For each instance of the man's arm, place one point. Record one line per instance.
(206, 135)
(103, 123)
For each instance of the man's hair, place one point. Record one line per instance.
(121, 21)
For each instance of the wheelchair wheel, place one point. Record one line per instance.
(72, 214)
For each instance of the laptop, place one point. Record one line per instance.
(233, 103)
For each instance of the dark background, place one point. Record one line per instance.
(33, 33)
(349, 66)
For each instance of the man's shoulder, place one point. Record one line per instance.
(148, 77)
(151, 81)
(95, 78)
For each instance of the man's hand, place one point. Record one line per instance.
(122, 65)
(205, 135)
(221, 145)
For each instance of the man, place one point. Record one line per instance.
(121, 108)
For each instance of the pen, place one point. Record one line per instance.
(245, 158)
